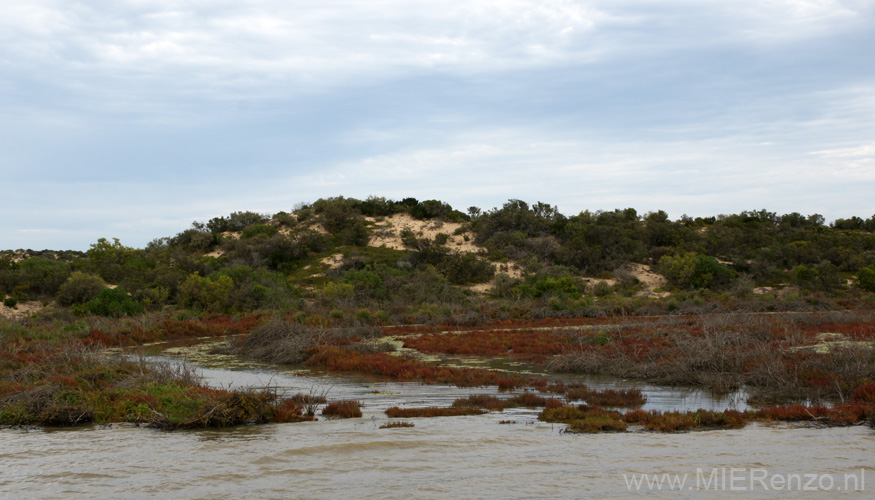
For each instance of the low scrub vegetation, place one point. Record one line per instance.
(777, 358)
(779, 305)
(591, 419)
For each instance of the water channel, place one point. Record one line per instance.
(452, 457)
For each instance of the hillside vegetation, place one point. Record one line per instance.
(777, 306)
(409, 261)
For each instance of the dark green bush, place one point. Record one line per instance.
(257, 229)
(35, 276)
(695, 271)
(209, 294)
(80, 288)
(866, 278)
(237, 221)
(539, 286)
(113, 302)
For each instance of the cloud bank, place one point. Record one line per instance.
(131, 119)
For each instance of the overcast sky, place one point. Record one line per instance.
(133, 118)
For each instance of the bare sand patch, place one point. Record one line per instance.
(388, 233)
(333, 261)
(319, 228)
(21, 310)
(651, 280)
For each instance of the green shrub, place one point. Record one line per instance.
(152, 297)
(10, 302)
(539, 286)
(37, 275)
(109, 260)
(257, 229)
(206, 293)
(80, 288)
(113, 302)
(441, 238)
(823, 277)
(237, 221)
(866, 278)
(694, 271)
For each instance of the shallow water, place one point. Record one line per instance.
(453, 457)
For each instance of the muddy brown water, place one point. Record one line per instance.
(452, 457)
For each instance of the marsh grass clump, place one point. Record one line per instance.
(671, 422)
(528, 400)
(396, 424)
(617, 398)
(310, 402)
(595, 424)
(584, 418)
(838, 415)
(290, 411)
(493, 403)
(483, 401)
(453, 411)
(568, 413)
(221, 409)
(48, 405)
(343, 409)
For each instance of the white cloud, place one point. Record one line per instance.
(189, 43)
(188, 109)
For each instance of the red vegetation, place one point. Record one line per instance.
(619, 398)
(529, 345)
(864, 394)
(843, 414)
(344, 360)
(487, 402)
(432, 411)
(212, 325)
(343, 409)
(287, 411)
(671, 422)
(483, 401)
(608, 397)
(583, 418)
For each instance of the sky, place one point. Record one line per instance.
(131, 119)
